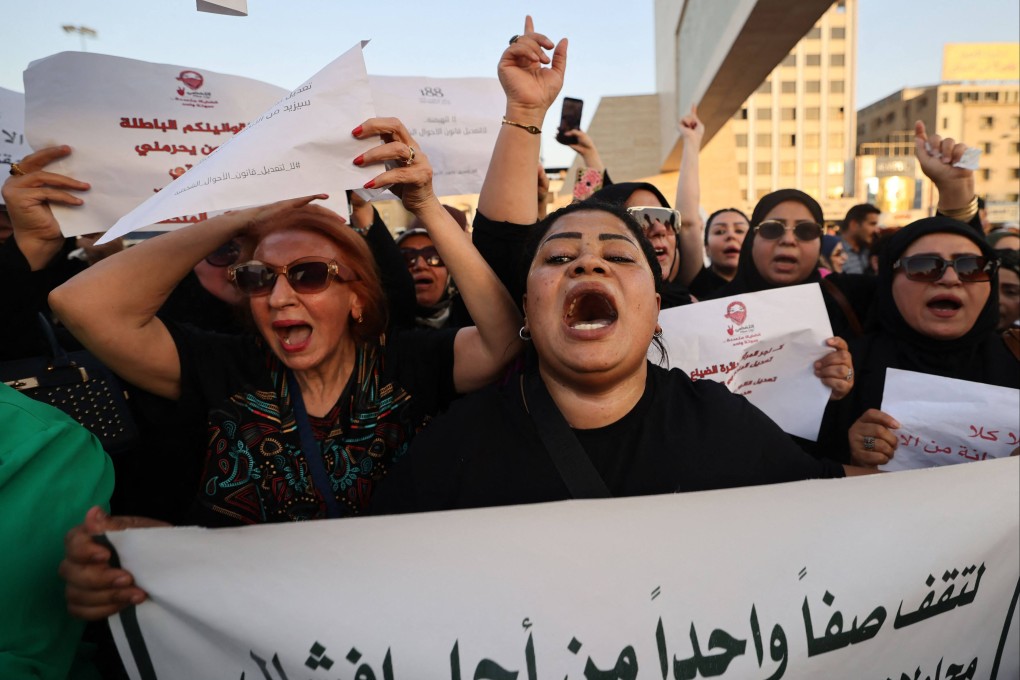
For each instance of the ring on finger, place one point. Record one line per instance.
(849, 375)
(514, 39)
(869, 443)
(410, 158)
(16, 170)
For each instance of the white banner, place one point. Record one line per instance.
(455, 120)
(133, 127)
(13, 146)
(761, 345)
(946, 421)
(866, 578)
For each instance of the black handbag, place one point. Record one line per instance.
(79, 385)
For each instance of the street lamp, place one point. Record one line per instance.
(82, 32)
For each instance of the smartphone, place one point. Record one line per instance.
(570, 119)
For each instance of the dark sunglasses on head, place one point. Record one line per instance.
(647, 216)
(803, 231)
(305, 275)
(930, 268)
(428, 253)
(225, 255)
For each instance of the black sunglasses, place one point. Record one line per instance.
(931, 268)
(803, 231)
(225, 255)
(428, 253)
(305, 275)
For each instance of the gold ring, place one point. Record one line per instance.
(410, 159)
(16, 170)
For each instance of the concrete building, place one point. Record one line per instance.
(982, 115)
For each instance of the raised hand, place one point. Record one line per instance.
(528, 84)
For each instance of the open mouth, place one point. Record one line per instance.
(944, 304)
(292, 336)
(589, 310)
(732, 250)
(422, 281)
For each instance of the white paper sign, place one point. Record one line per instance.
(133, 127)
(455, 120)
(761, 345)
(771, 581)
(13, 146)
(233, 8)
(946, 421)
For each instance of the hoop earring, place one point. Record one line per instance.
(658, 332)
(524, 334)
(361, 318)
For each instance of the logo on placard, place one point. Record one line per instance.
(193, 79)
(736, 312)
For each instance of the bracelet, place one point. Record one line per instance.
(530, 128)
(964, 214)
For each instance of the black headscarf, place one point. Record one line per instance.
(923, 350)
(617, 194)
(748, 279)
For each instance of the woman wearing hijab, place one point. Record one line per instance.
(833, 256)
(937, 304)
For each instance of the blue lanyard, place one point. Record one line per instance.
(312, 450)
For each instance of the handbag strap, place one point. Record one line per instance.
(571, 461)
(310, 447)
(844, 304)
(59, 354)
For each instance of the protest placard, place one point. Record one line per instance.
(770, 581)
(13, 146)
(761, 345)
(133, 127)
(455, 120)
(945, 421)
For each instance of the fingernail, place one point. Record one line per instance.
(137, 599)
(359, 160)
(370, 184)
(122, 581)
(357, 131)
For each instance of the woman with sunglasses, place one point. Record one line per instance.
(937, 307)
(304, 419)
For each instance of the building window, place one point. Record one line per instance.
(764, 114)
(811, 167)
(836, 112)
(813, 113)
(945, 123)
(789, 86)
(986, 173)
(812, 86)
(741, 114)
(815, 33)
(1013, 198)
(835, 192)
(765, 88)
(789, 140)
(837, 33)
(841, 7)
(741, 168)
(837, 60)
(836, 86)
(763, 167)
(835, 140)
(986, 147)
(741, 140)
(987, 122)
(812, 141)
(1015, 172)
(790, 60)
(790, 168)
(813, 60)
(788, 113)
(991, 96)
(763, 139)
(835, 167)
(1016, 147)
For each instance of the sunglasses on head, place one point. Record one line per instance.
(428, 253)
(305, 275)
(647, 216)
(930, 268)
(772, 230)
(225, 255)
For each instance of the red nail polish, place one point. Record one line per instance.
(359, 160)
(356, 131)
(370, 184)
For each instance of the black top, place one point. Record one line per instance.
(704, 285)
(681, 436)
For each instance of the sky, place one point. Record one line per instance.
(611, 52)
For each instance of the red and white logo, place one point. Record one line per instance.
(736, 312)
(193, 79)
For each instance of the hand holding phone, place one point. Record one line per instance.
(570, 119)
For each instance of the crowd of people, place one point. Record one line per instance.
(288, 363)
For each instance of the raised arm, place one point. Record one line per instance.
(508, 192)
(688, 198)
(111, 307)
(480, 351)
(936, 155)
